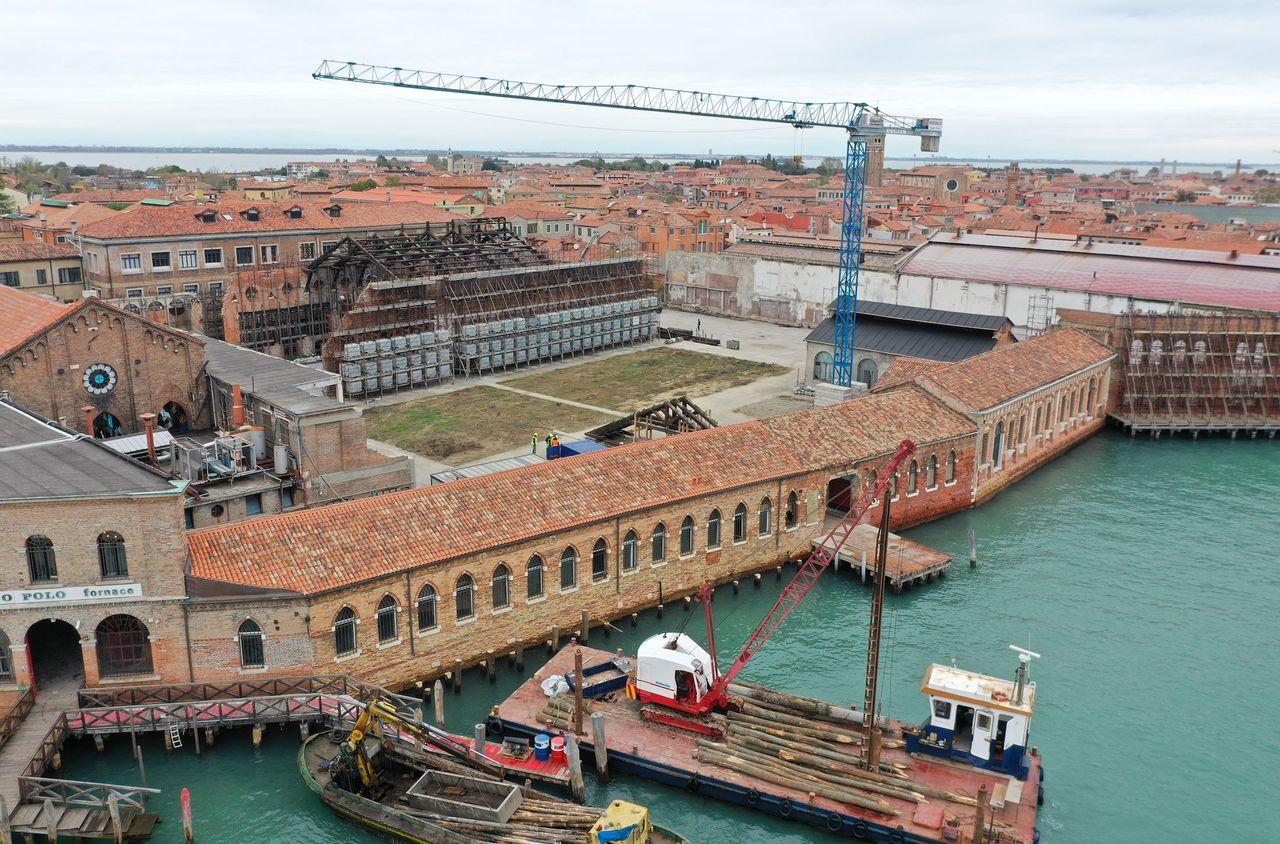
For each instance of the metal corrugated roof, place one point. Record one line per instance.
(930, 316)
(910, 339)
(281, 383)
(1191, 276)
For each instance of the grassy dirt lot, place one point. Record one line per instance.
(471, 424)
(631, 382)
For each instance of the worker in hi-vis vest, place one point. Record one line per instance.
(535, 442)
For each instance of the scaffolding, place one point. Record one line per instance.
(1200, 371)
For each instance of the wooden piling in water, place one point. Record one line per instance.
(142, 768)
(586, 627)
(635, 619)
(519, 656)
(98, 742)
(980, 814)
(576, 785)
(736, 586)
(577, 691)
(553, 644)
(973, 551)
(601, 750)
(437, 693)
(490, 667)
(188, 822)
(113, 812)
(756, 578)
(6, 834)
(660, 609)
(481, 742)
(457, 676)
(257, 736)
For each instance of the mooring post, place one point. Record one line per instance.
(575, 769)
(756, 578)
(133, 735)
(257, 736)
(520, 655)
(778, 571)
(973, 551)
(208, 736)
(113, 811)
(195, 738)
(304, 730)
(437, 693)
(553, 644)
(635, 619)
(601, 751)
(50, 821)
(980, 814)
(481, 742)
(457, 676)
(660, 609)
(490, 668)
(188, 823)
(6, 834)
(586, 627)
(688, 602)
(577, 691)
(98, 745)
(736, 586)
(142, 769)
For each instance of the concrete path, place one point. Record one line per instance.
(15, 755)
(557, 400)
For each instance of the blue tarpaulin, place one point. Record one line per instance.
(575, 447)
(623, 834)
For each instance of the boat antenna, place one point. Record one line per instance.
(1024, 661)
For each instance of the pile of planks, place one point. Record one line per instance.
(558, 713)
(801, 743)
(539, 820)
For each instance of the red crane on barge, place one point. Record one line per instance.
(680, 682)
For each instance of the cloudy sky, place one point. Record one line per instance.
(1120, 79)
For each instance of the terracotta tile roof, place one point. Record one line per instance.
(180, 220)
(318, 550)
(903, 370)
(24, 250)
(989, 379)
(25, 314)
(105, 196)
(62, 218)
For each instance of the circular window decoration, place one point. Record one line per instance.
(99, 379)
(952, 185)
(251, 293)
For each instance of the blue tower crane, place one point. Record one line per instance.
(859, 120)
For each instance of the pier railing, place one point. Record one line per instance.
(49, 747)
(13, 719)
(338, 684)
(75, 793)
(303, 706)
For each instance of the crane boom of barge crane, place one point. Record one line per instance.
(677, 674)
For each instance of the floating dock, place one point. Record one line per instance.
(907, 565)
(671, 756)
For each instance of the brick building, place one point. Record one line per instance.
(50, 269)
(93, 590)
(58, 359)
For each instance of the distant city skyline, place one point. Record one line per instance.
(1090, 81)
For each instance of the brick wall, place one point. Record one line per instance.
(153, 366)
(215, 647)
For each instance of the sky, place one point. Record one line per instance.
(1113, 80)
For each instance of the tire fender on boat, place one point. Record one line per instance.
(753, 797)
(898, 836)
(860, 829)
(835, 821)
(784, 807)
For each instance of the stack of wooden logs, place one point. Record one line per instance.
(558, 713)
(810, 745)
(539, 820)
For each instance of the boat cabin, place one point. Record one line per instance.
(977, 719)
(673, 669)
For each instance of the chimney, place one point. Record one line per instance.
(75, 227)
(149, 422)
(88, 410)
(237, 407)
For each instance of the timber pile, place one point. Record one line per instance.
(808, 744)
(558, 713)
(539, 820)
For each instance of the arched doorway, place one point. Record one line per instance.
(839, 493)
(173, 418)
(124, 647)
(54, 656)
(105, 426)
(868, 372)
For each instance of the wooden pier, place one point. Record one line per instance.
(908, 564)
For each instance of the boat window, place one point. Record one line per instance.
(984, 722)
(941, 709)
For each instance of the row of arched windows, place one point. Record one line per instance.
(426, 609)
(913, 475)
(1063, 406)
(42, 558)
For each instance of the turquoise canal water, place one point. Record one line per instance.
(1144, 572)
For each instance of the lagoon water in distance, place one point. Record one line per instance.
(1144, 572)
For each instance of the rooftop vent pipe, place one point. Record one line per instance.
(149, 422)
(88, 410)
(237, 407)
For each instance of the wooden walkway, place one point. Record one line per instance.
(16, 754)
(908, 563)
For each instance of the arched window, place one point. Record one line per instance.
(533, 575)
(913, 478)
(931, 472)
(249, 638)
(823, 366)
(686, 536)
(344, 632)
(1035, 425)
(893, 487)
(111, 561)
(1022, 429)
(740, 523)
(951, 466)
(872, 479)
(426, 606)
(997, 445)
(658, 543)
(1093, 383)
(123, 646)
(386, 616)
(464, 597)
(568, 569)
(41, 563)
(766, 516)
(868, 372)
(793, 511)
(600, 561)
(630, 551)
(6, 658)
(501, 587)
(713, 530)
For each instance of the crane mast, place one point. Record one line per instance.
(858, 119)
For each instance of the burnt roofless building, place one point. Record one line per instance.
(406, 309)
